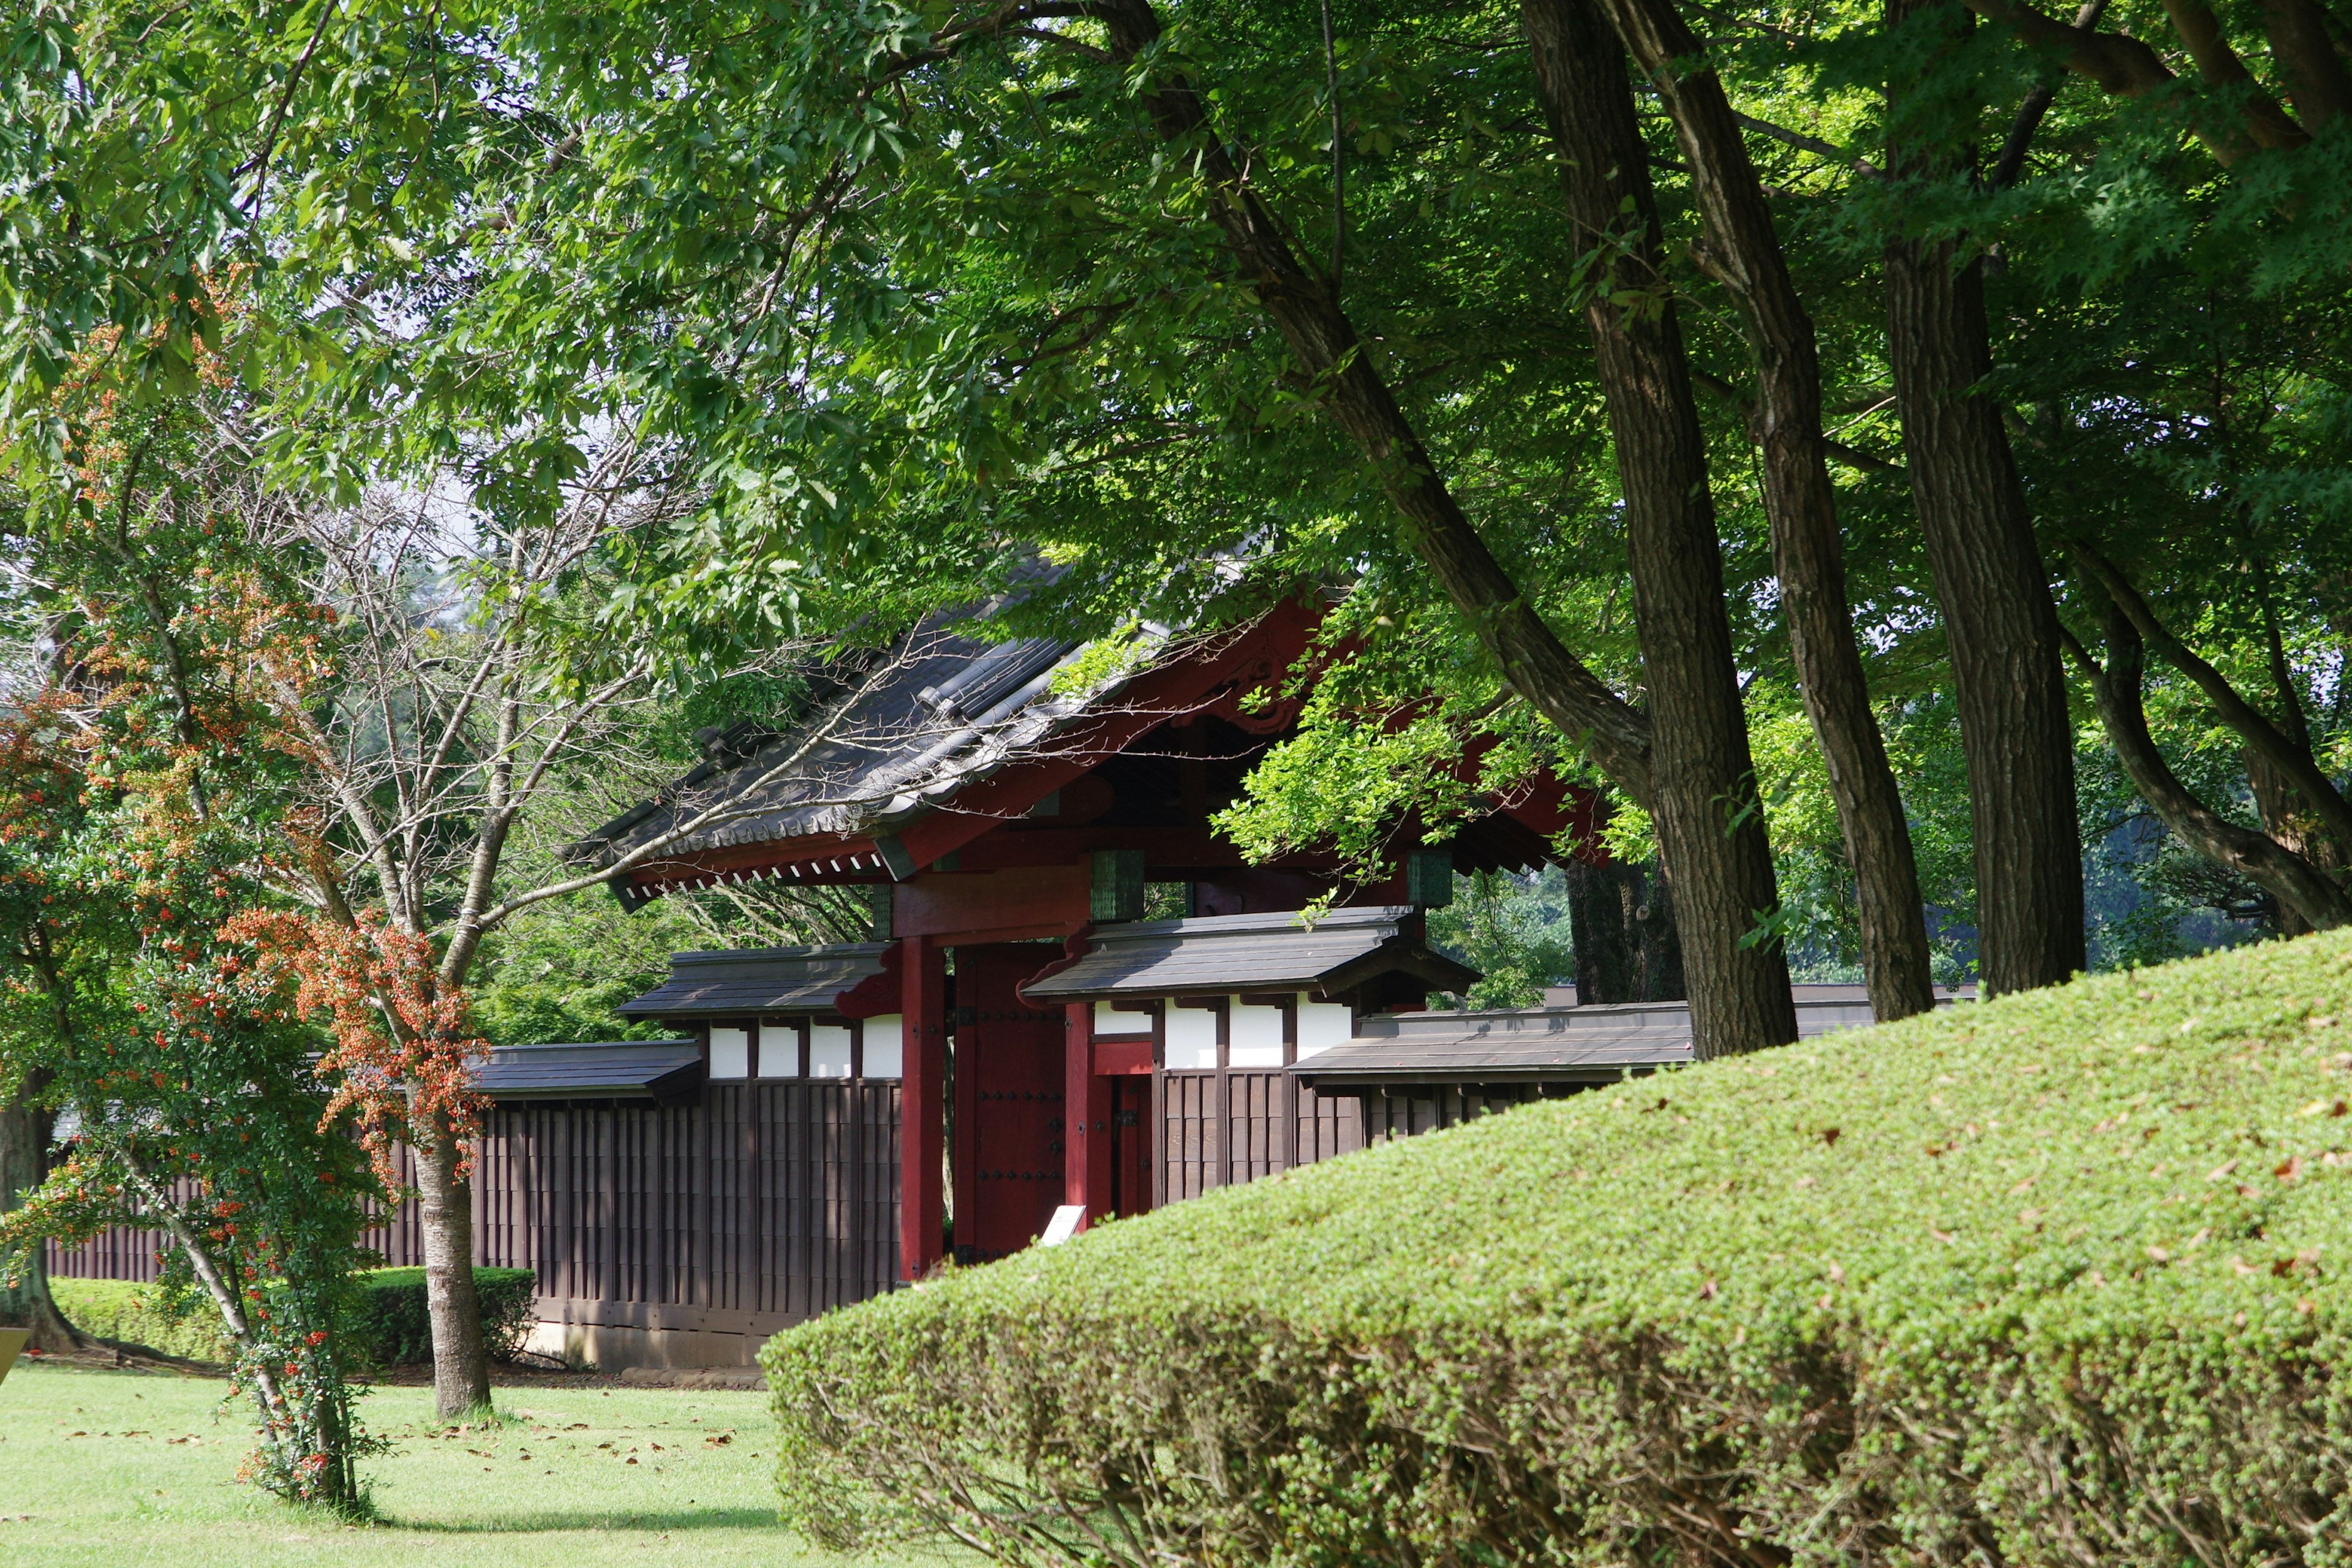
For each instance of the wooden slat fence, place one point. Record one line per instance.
(765, 1203)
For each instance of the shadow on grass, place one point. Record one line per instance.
(543, 1521)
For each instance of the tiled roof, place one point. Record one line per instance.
(935, 713)
(1220, 953)
(610, 1070)
(758, 980)
(1543, 1044)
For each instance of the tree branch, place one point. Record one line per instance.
(2257, 731)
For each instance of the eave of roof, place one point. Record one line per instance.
(1217, 954)
(1594, 1044)
(758, 980)
(604, 1069)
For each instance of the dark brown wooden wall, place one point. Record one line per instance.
(1217, 1129)
(1221, 1127)
(762, 1205)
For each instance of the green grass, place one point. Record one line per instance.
(125, 1468)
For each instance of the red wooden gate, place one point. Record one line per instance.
(1009, 1103)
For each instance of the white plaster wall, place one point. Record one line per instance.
(780, 1051)
(1322, 1024)
(730, 1053)
(1191, 1037)
(828, 1050)
(886, 1045)
(1257, 1036)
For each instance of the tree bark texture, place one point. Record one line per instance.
(1709, 819)
(24, 1161)
(1999, 619)
(1743, 253)
(1621, 922)
(461, 1381)
(2300, 887)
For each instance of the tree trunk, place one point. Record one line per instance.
(1709, 818)
(1744, 254)
(1621, 922)
(1688, 764)
(1649, 914)
(1607, 959)
(1999, 619)
(24, 1161)
(461, 1380)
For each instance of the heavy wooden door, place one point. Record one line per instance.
(1130, 1144)
(1009, 1102)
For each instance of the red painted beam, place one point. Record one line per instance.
(922, 1211)
(962, 905)
(1086, 1100)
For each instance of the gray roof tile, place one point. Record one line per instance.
(758, 980)
(610, 1070)
(1597, 1044)
(1220, 953)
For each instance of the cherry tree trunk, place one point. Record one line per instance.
(461, 1371)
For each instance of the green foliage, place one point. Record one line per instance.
(557, 970)
(132, 1313)
(1513, 930)
(389, 1328)
(394, 1330)
(2040, 1280)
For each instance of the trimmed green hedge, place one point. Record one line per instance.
(120, 1310)
(391, 1329)
(395, 1330)
(2050, 1280)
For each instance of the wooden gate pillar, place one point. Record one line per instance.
(922, 1212)
(1086, 1103)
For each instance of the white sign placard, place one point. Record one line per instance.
(1063, 1225)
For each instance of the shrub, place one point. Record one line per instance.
(128, 1312)
(2051, 1280)
(391, 1329)
(395, 1328)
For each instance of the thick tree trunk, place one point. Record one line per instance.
(1688, 764)
(461, 1380)
(1648, 910)
(1607, 953)
(1623, 925)
(1808, 553)
(1998, 620)
(1709, 822)
(27, 1304)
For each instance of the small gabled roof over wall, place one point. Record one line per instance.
(1531, 1044)
(758, 980)
(607, 1069)
(1217, 954)
(1536, 1045)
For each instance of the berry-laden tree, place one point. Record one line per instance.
(142, 823)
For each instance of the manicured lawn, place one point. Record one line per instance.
(124, 1468)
